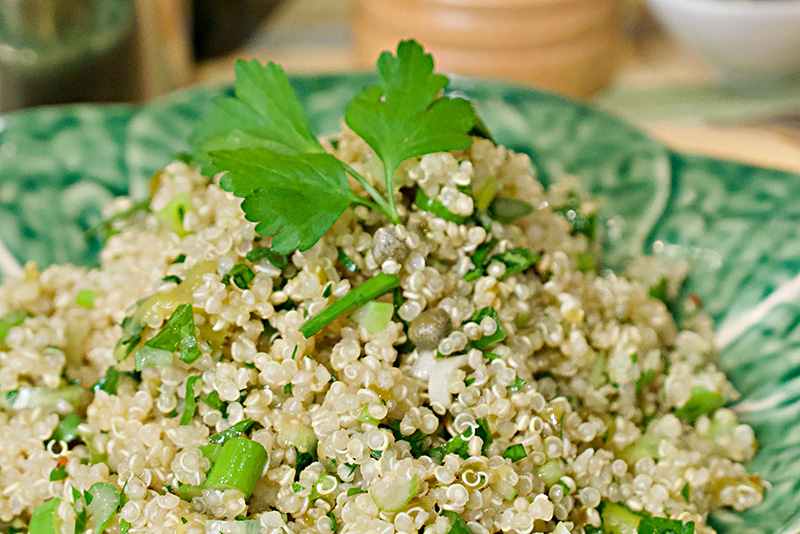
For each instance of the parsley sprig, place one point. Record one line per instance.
(292, 189)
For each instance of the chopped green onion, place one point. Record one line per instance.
(211, 451)
(457, 523)
(124, 526)
(702, 402)
(171, 216)
(515, 453)
(85, 298)
(619, 519)
(369, 290)
(484, 433)
(67, 429)
(348, 264)
(239, 465)
(491, 356)
(374, 316)
(232, 432)
(178, 331)
(508, 210)
(425, 203)
(258, 253)
(150, 357)
(567, 489)
(355, 491)
(45, 518)
(59, 473)
(487, 341)
(191, 402)
(10, 320)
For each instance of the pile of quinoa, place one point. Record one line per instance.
(593, 378)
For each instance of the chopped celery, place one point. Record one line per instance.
(551, 472)
(374, 316)
(104, 502)
(702, 402)
(299, 436)
(45, 518)
(62, 400)
(392, 498)
(508, 210)
(425, 203)
(485, 194)
(646, 446)
(238, 466)
(504, 489)
(247, 526)
(369, 290)
(618, 519)
(150, 357)
(171, 215)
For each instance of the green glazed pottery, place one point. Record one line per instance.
(739, 226)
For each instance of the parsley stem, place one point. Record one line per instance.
(390, 190)
(387, 208)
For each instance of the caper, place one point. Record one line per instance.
(429, 328)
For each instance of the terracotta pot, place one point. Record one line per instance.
(570, 46)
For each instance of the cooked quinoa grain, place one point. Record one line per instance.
(389, 418)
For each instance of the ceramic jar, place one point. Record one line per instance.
(569, 46)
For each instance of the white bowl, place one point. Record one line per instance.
(747, 41)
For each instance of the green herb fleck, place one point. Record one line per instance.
(685, 492)
(241, 275)
(702, 402)
(10, 320)
(59, 473)
(180, 259)
(191, 402)
(258, 253)
(297, 488)
(354, 491)
(85, 298)
(487, 341)
(287, 389)
(508, 210)
(515, 453)
(178, 332)
(172, 278)
(348, 264)
(457, 523)
(425, 203)
(327, 291)
(517, 385)
(334, 525)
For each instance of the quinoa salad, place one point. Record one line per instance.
(447, 356)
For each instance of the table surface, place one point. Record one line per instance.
(661, 88)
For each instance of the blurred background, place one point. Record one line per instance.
(720, 77)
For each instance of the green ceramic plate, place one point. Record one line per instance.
(739, 225)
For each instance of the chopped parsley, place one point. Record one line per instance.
(180, 259)
(685, 492)
(334, 525)
(702, 402)
(297, 488)
(304, 459)
(177, 332)
(348, 264)
(10, 320)
(515, 453)
(354, 491)
(582, 223)
(213, 401)
(287, 389)
(172, 278)
(415, 440)
(241, 275)
(292, 189)
(517, 385)
(59, 473)
(327, 291)
(132, 329)
(499, 335)
(258, 253)
(191, 401)
(457, 523)
(480, 259)
(108, 382)
(516, 260)
(508, 210)
(67, 429)
(426, 203)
